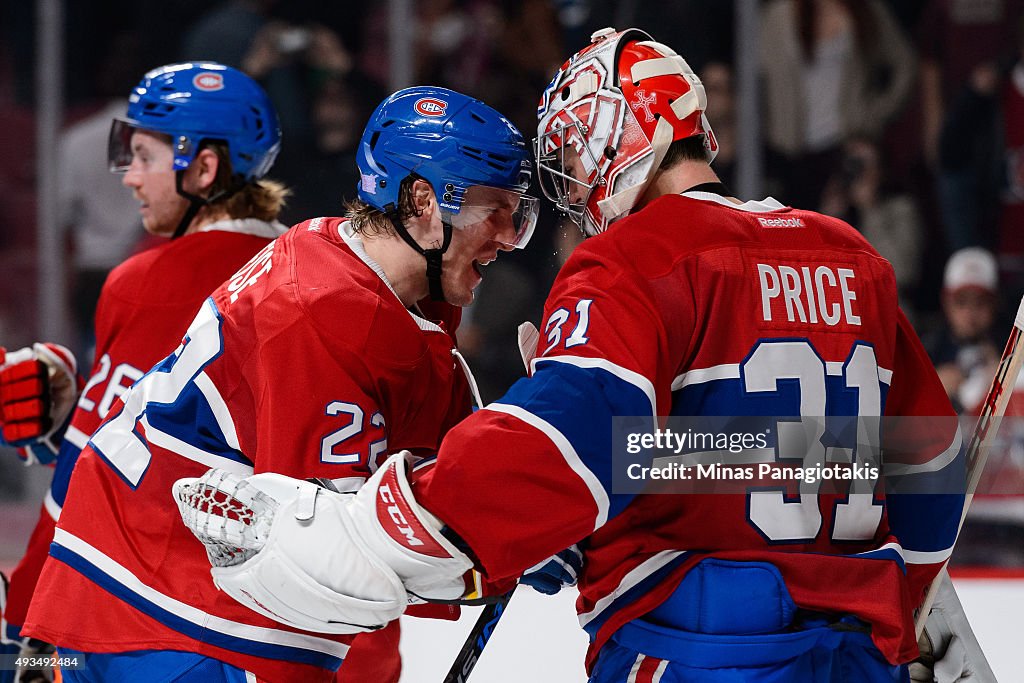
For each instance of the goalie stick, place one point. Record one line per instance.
(981, 440)
(477, 639)
(491, 613)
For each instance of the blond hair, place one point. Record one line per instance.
(262, 199)
(372, 222)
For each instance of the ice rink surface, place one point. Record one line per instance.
(539, 640)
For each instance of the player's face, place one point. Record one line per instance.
(970, 312)
(578, 191)
(150, 176)
(483, 230)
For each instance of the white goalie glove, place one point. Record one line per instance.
(950, 652)
(319, 560)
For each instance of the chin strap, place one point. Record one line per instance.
(433, 256)
(195, 202)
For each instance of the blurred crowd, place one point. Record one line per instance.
(904, 117)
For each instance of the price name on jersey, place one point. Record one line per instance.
(808, 294)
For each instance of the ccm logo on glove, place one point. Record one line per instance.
(394, 514)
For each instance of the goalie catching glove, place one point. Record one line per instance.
(319, 560)
(39, 386)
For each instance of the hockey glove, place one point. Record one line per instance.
(553, 574)
(950, 652)
(319, 560)
(39, 387)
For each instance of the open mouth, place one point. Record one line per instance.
(479, 264)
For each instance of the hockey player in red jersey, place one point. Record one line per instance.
(194, 147)
(684, 301)
(314, 359)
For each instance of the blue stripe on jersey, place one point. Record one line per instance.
(932, 532)
(190, 419)
(632, 595)
(62, 470)
(190, 629)
(883, 553)
(580, 403)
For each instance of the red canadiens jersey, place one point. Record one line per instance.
(696, 306)
(146, 303)
(304, 363)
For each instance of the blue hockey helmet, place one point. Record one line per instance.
(195, 102)
(475, 160)
(452, 141)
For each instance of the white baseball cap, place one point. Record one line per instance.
(971, 267)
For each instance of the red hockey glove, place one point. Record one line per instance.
(38, 390)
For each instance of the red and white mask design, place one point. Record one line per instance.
(606, 121)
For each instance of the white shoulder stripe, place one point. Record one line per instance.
(918, 557)
(192, 614)
(220, 409)
(76, 437)
(732, 371)
(51, 506)
(635, 576)
(635, 378)
(572, 458)
(933, 465)
(725, 371)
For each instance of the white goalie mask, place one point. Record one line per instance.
(606, 121)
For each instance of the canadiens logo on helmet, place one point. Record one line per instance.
(208, 81)
(430, 106)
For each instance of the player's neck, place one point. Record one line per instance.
(679, 178)
(404, 269)
(205, 217)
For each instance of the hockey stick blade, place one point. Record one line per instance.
(992, 410)
(477, 639)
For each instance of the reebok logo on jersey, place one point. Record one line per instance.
(781, 222)
(208, 81)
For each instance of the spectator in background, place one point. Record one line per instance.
(833, 69)
(323, 169)
(860, 194)
(226, 32)
(962, 44)
(520, 74)
(453, 43)
(1011, 220)
(98, 211)
(970, 153)
(292, 61)
(964, 351)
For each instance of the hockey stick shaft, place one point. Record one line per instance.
(992, 410)
(477, 639)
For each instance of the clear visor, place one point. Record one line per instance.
(513, 215)
(119, 146)
(563, 174)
